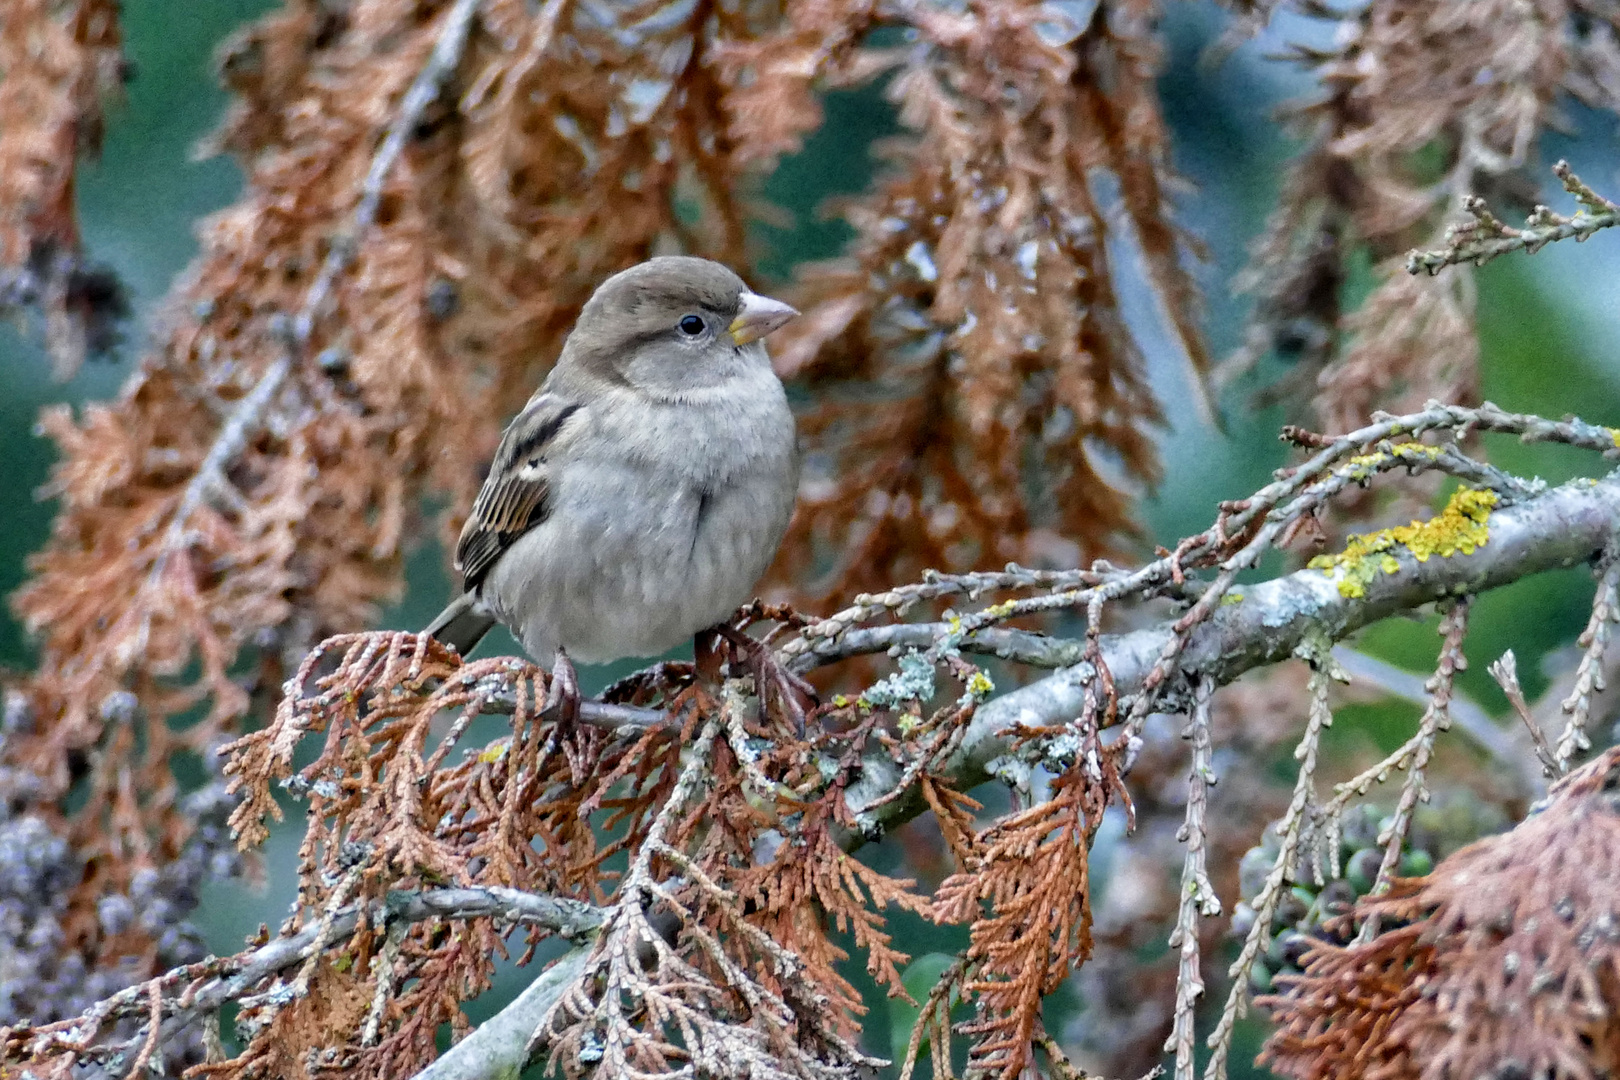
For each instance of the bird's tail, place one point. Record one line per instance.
(461, 625)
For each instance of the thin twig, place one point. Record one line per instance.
(1589, 675)
(901, 599)
(248, 415)
(1197, 892)
(1466, 714)
(1485, 236)
(1290, 829)
(232, 978)
(1436, 718)
(1410, 755)
(1506, 673)
(382, 967)
(936, 1005)
(154, 1026)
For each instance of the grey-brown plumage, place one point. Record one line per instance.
(644, 489)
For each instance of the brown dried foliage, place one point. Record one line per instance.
(252, 488)
(1504, 961)
(733, 824)
(971, 350)
(392, 807)
(1039, 924)
(392, 284)
(358, 325)
(61, 62)
(1423, 104)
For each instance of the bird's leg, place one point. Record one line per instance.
(697, 696)
(562, 697)
(707, 655)
(771, 676)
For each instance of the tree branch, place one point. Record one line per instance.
(245, 419)
(1261, 624)
(1484, 236)
(1559, 528)
(498, 1048)
(232, 978)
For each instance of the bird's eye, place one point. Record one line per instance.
(692, 325)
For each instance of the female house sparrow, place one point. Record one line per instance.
(644, 488)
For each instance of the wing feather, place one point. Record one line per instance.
(514, 496)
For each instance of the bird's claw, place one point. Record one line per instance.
(563, 697)
(771, 677)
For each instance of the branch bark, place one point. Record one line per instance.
(1561, 527)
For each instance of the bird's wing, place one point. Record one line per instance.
(513, 498)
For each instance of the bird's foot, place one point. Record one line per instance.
(562, 696)
(772, 678)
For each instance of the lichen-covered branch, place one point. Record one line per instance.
(1562, 527)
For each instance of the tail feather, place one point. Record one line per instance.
(461, 625)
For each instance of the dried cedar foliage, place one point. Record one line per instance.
(970, 358)
(60, 64)
(336, 352)
(1505, 961)
(714, 947)
(402, 266)
(1423, 103)
(744, 977)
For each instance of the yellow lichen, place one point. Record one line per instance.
(979, 685)
(1460, 527)
(1363, 466)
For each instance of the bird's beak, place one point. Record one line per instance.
(758, 316)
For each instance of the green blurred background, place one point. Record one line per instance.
(1548, 325)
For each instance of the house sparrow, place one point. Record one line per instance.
(645, 487)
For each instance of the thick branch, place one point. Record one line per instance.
(498, 1047)
(1559, 528)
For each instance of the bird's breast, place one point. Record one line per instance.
(663, 530)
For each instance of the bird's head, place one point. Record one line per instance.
(674, 325)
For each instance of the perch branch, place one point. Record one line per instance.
(1561, 527)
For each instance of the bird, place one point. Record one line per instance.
(644, 489)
